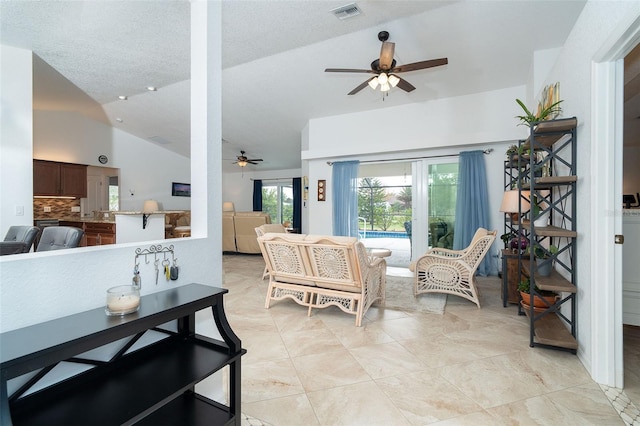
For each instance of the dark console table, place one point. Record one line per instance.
(146, 384)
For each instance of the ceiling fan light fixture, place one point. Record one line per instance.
(242, 163)
(382, 79)
(385, 87)
(393, 80)
(373, 83)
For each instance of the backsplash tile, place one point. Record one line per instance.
(60, 208)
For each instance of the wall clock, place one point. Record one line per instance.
(103, 159)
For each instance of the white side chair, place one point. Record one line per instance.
(441, 270)
(269, 227)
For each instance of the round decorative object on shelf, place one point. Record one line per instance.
(103, 159)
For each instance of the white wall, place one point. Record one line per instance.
(464, 120)
(16, 186)
(598, 23)
(145, 168)
(38, 287)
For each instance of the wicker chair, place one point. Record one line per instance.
(441, 270)
(269, 227)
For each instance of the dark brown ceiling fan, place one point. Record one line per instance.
(385, 69)
(242, 160)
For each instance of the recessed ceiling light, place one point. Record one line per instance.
(119, 120)
(123, 97)
(151, 88)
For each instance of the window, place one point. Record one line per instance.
(114, 194)
(277, 201)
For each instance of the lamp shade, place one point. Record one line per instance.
(150, 206)
(227, 206)
(511, 202)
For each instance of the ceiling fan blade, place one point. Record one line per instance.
(405, 85)
(360, 87)
(254, 159)
(349, 70)
(386, 55)
(420, 65)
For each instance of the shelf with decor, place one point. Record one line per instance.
(550, 227)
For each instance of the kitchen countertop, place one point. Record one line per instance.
(87, 219)
(154, 212)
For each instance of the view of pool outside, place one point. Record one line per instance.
(400, 249)
(385, 202)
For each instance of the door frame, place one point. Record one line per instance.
(607, 366)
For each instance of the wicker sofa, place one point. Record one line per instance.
(318, 271)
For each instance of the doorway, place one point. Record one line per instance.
(607, 331)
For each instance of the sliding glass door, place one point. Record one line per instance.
(434, 204)
(407, 207)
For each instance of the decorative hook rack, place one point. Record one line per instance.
(155, 251)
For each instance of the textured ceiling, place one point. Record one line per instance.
(274, 55)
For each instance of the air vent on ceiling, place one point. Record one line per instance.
(347, 11)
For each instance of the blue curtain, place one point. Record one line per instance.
(345, 198)
(472, 203)
(257, 195)
(297, 204)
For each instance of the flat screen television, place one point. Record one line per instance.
(180, 189)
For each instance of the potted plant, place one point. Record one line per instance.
(512, 152)
(543, 113)
(544, 261)
(539, 220)
(514, 240)
(524, 287)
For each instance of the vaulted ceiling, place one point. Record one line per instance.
(274, 54)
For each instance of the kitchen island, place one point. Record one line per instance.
(132, 226)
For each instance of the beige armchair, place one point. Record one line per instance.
(269, 227)
(442, 270)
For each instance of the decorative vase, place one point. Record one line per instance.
(542, 221)
(543, 267)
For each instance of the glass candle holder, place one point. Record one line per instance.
(122, 300)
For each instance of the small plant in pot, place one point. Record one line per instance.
(514, 241)
(544, 261)
(539, 220)
(512, 154)
(538, 302)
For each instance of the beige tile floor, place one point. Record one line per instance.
(468, 366)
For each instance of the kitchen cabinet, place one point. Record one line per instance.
(100, 233)
(150, 379)
(55, 179)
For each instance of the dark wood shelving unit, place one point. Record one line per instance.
(553, 147)
(152, 384)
